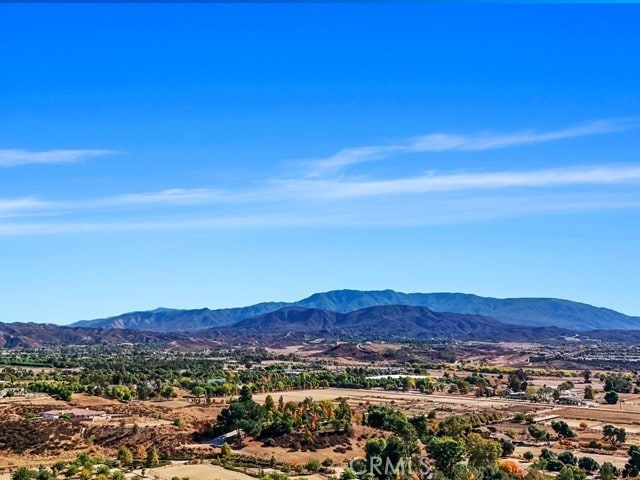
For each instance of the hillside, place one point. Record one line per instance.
(173, 320)
(291, 325)
(32, 335)
(541, 312)
(515, 311)
(390, 322)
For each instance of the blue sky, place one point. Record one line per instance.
(221, 155)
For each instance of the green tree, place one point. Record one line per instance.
(167, 392)
(608, 471)
(482, 452)
(313, 465)
(153, 460)
(568, 385)
(446, 453)
(568, 458)
(588, 464)
(614, 434)
(245, 394)
(225, 450)
(562, 429)
(589, 392)
(632, 467)
(507, 447)
(408, 383)
(611, 397)
(455, 427)
(343, 413)
(124, 455)
(269, 404)
(374, 451)
(394, 454)
(571, 472)
(348, 474)
(618, 383)
(537, 432)
(244, 414)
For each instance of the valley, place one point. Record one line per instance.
(172, 402)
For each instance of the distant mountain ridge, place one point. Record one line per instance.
(390, 322)
(175, 320)
(534, 312)
(292, 325)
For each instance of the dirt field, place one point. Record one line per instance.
(409, 402)
(196, 472)
(353, 447)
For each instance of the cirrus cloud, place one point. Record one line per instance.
(17, 157)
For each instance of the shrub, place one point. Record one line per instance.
(611, 397)
(588, 464)
(507, 447)
(568, 458)
(313, 465)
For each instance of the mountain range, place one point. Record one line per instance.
(530, 312)
(290, 325)
(388, 322)
(354, 314)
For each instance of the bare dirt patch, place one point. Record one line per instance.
(197, 472)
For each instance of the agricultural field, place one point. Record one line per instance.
(303, 411)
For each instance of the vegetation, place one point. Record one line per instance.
(457, 443)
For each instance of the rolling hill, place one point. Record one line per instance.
(33, 335)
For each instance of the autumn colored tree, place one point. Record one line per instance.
(512, 469)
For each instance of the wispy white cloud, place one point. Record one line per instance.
(438, 211)
(321, 199)
(444, 142)
(434, 182)
(172, 197)
(18, 204)
(285, 196)
(14, 158)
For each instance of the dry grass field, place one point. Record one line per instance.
(196, 472)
